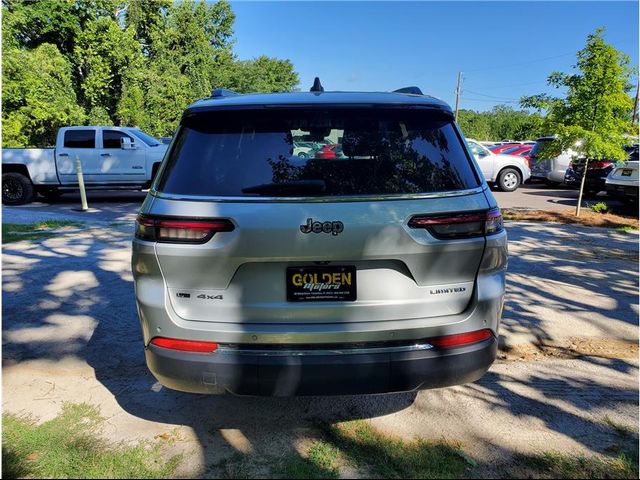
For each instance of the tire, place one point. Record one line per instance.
(50, 193)
(16, 189)
(509, 180)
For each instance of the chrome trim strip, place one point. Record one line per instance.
(364, 198)
(302, 353)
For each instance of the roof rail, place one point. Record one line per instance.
(223, 92)
(409, 90)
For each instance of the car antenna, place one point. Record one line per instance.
(317, 86)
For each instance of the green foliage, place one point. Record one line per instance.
(501, 123)
(69, 446)
(600, 207)
(15, 232)
(263, 74)
(37, 96)
(131, 62)
(594, 116)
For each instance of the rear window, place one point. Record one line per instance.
(80, 139)
(253, 153)
(536, 147)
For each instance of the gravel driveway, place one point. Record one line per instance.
(569, 362)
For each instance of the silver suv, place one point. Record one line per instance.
(376, 265)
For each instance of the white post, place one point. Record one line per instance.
(83, 194)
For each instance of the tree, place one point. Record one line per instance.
(37, 96)
(263, 74)
(501, 123)
(594, 116)
(121, 62)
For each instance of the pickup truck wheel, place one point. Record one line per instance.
(508, 180)
(16, 189)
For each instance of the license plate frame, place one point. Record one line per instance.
(326, 283)
(627, 172)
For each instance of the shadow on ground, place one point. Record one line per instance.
(73, 297)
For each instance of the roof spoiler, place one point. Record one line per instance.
(223, 92)
(409, 91)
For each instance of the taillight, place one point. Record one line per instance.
(185, 345)
(464, 225)
(599, 164)
(170, 230)
(461, 339)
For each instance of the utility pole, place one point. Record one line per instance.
(458, 91)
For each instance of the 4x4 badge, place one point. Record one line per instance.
(334, 228)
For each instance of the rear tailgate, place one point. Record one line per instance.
(240, 276)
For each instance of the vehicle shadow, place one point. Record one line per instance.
(72, 297)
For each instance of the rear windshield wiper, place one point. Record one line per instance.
(299, 187)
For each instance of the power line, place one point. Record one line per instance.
(492, 87)
(488, 100)
(528, 62)
(492, 96)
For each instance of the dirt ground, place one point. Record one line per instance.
(568, 367)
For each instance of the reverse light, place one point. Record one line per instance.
(171, 230)
(185, 345)
(463, 225)
(461, 339)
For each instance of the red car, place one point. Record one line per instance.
(501, 148)
(518, 150)
(328, 151)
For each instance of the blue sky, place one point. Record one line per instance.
(504, 49)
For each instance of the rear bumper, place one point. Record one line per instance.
(622, 191)
(594, 181)
(291, 374)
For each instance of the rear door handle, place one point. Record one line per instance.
(105, 154)
(63, 154)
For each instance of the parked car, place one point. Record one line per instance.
(622, 182)
(109, 156)
(508, 172)
(304, 149)
(381, 271)
(597, 172)
(331, 150)
(551, 171)
(520, 150)
(502, 147)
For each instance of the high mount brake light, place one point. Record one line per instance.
(170, 230)
(464, 225)
(185, 345)
(460, 339)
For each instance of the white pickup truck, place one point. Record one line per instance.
(111, 157)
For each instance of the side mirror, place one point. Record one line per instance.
(127, 144)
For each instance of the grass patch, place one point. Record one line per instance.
(386, 457)
(625, 229)
(69, 446)
(587, 217)
(14, 232)
(621, 460)
(322, 461)
(558, 465)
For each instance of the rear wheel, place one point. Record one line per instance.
(16, 189)
(508, 180)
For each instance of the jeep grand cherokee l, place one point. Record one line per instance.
(259, 272)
